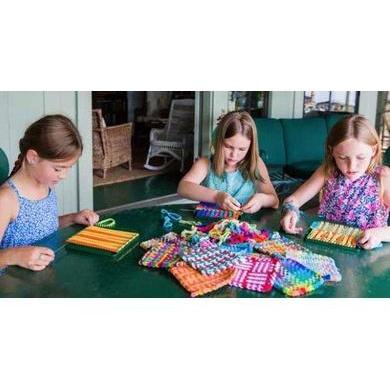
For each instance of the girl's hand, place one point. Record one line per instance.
(253, 205)
(86, 217)
(289, 223)
(227, 202)
(34, 258)
(371, 238)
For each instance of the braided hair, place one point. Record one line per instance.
(53, 137)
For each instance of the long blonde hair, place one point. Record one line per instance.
(353, 126)
(237, 122)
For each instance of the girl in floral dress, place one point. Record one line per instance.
(355, 188)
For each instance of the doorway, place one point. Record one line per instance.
(144, 110)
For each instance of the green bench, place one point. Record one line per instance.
(4, 166)
(294, 146)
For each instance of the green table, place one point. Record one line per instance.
(78, 274)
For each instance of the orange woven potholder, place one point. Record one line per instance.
(198, 284)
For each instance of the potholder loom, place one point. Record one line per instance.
(334, 234)
(257, 273)
(196, 283)
(102, 241)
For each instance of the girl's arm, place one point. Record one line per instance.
(7, 207)
(303, 194)
(308, 189)
(373, 237)
(84, 217)
(34, 258)
(265, 196)
(189, 186)
(266, 188)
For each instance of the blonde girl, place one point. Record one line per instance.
(235, 177)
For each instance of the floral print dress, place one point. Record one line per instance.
(354, 203)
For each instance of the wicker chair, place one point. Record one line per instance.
(111, 145)
(173, 141)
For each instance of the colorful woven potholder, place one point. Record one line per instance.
(295, 280)
(169, 237)
(162, 255)
(257, 273)
(276, 244)
(209, 259)
(323, 265)
(211, 210)
(196, 283)
(282, 247)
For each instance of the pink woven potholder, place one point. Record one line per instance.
(257, 273)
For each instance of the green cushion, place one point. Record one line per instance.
(271, 141)
(304, 139)
(4, 166)
(333, 118)
(303, 169)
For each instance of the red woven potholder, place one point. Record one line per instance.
(257, 273)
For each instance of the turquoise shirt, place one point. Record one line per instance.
(231, 182)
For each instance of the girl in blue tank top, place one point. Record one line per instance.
(235, 177)
(28, 203)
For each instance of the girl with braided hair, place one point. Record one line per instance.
(235, 177)
(28, 204)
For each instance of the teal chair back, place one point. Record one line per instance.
(4, 166)
(386, 157)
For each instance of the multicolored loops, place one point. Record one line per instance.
(211, 210)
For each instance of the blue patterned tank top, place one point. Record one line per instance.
(231, 182)
(36, 219)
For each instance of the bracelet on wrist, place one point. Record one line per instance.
(289, 206)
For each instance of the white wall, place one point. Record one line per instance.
(19, 109)
(282, 104)
(367, 105)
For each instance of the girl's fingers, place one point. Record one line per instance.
(37, 267)
(364, 238)
(44, 259)
(47, 251)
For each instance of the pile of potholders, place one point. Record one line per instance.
(229, 252)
